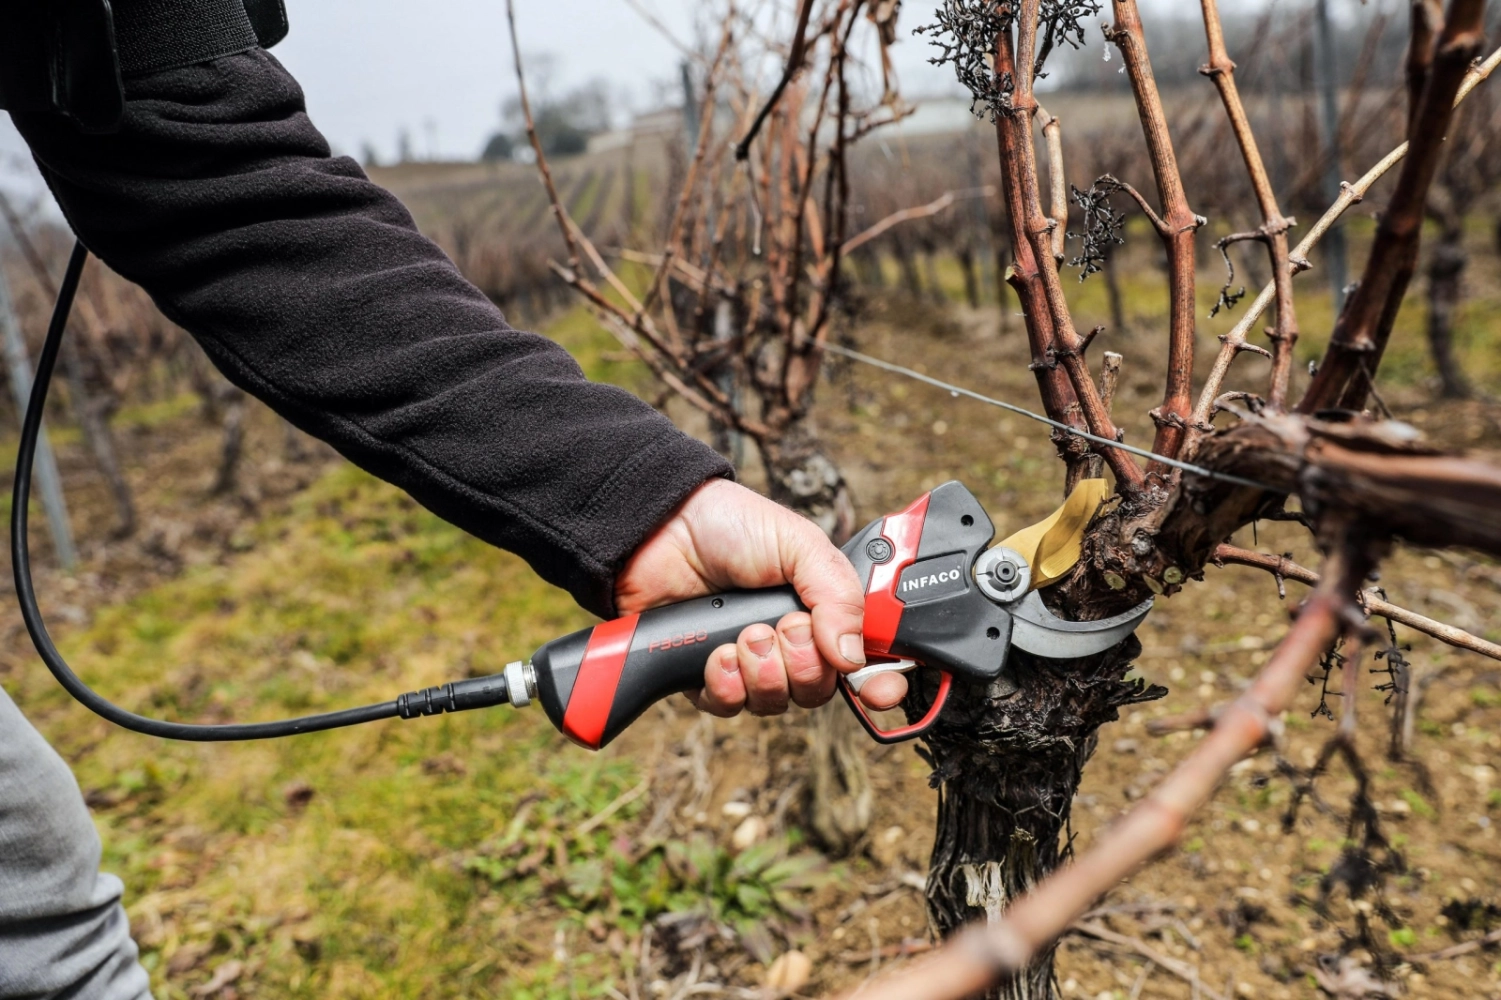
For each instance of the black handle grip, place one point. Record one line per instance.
(597, 681)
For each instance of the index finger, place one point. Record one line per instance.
(832, 591)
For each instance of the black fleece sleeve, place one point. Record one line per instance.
(310, 287)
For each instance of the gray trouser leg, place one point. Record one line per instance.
(63, 932)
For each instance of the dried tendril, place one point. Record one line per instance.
(965, 35)
(965, 32)
(1104, 227)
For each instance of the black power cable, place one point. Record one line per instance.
(476, 692)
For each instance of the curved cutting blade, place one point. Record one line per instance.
(1037, 630)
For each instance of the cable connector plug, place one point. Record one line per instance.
(456, 696)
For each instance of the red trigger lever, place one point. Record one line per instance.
(908, 732)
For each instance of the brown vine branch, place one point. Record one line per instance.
(1052, 134)
(608, 273)
(795, 376)
(531, 134)
(1284, 568)
(1354, 353)
(790, 70)
(1141, 202)
(805, 334)
(1110, 377)
(1034, 229)
(1352, 195)
(690, 181)
(627, 335)
(1427, 19)
(1273, 232)
(932, 208)
(869, 123)
(1180, 225)
(664, 356)
(1184, 971)
(1463, 948)
(703, 394)
(1371, 469)
(642, 329)
(981, 956)
(1059, 399)
(1203, 717)
(836, 188)
(686, 271)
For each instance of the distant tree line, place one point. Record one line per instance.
(564, 122)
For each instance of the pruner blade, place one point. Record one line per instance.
(1039, 631)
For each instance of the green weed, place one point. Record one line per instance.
(1419, 805)
(1484, 698)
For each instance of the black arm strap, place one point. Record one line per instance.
(72, 56)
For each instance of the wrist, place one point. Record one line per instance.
(667, 562)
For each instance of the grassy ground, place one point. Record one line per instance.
(483, 855)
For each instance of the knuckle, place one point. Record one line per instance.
(844, 608)
(806, 670)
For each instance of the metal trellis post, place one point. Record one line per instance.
(19, 365)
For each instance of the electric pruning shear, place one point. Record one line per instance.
(935, 596)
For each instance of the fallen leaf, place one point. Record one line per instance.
(186, 958)
(223, 976)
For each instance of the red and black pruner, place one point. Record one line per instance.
(935, 597)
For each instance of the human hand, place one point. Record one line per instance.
(725, 537)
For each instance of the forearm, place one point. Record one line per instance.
(310, 287)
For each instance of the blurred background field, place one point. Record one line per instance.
(483, 855)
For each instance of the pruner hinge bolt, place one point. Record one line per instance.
(1003, 574)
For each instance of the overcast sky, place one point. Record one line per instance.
(441, 68)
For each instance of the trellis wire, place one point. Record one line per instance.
(955, 390)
